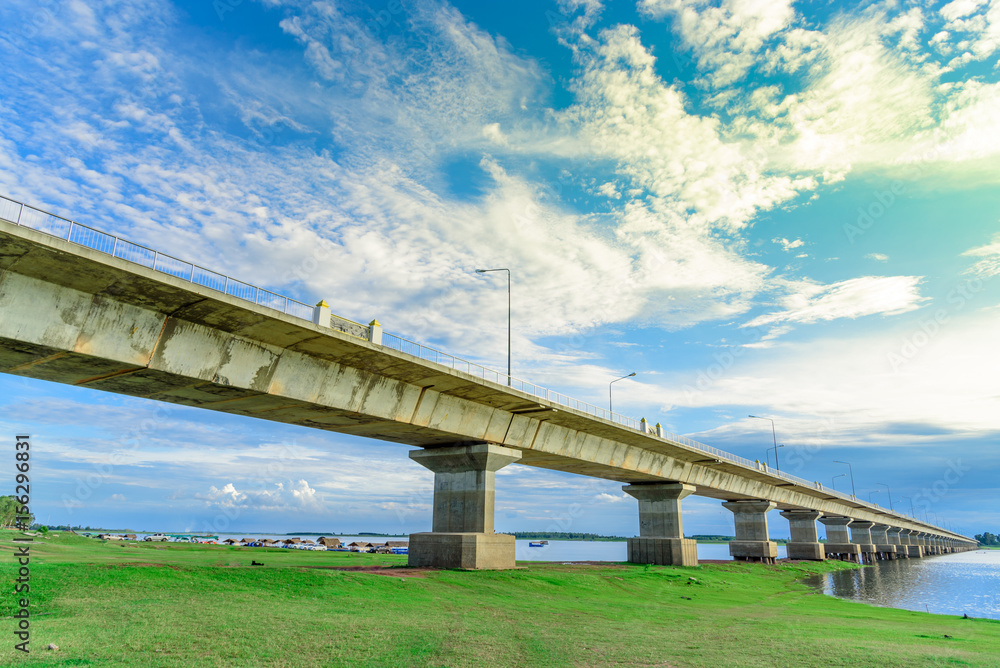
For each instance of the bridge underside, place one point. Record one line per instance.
(72, 368)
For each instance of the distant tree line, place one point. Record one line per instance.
(8, 513)
(988, 538)
(563, 535)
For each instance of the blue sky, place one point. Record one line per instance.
(760, 207)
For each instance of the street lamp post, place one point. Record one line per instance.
(775, 455)
(484, 271)
(912, 512)
(833, 482)
(853, 492)
(610, 408)
(773, 437)
(887, 491)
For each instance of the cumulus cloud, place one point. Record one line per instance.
(297, 495)
(878, 257)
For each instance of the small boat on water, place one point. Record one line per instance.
(537, 543)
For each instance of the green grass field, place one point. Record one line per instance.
(113, 604)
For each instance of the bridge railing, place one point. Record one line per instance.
(89, 237)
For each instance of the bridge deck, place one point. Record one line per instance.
(81, 317)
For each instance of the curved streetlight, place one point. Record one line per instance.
(833, 482)
(773, 437)
(485, 271)
(853, 493)
(887, 491)
(610, 409)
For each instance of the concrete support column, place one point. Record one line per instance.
(880, 539)
(861, 535)
(752, 543)
(913, 549)
(462, 535)
(804, 543)
(661, 529)
(895, 536)
(838, 543)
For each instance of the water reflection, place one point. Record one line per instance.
(951, 584)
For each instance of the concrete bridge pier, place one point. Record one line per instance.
(462, 535)
(804, 543)
(883, 549)
(752, 543)
(909, 538)
(661, 532)
(838, 543)
(895, 539)
(861, 535)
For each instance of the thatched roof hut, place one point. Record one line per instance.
(330, 542)
(230, 541)
(266, 542)
(397, 543)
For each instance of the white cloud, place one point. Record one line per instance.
(727, 38)
(989, 265)
(853, 298)
(296, 497)
(936, 374)
(878, 257)
(787, 245)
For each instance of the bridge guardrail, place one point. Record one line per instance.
(89, 237)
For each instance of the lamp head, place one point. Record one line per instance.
(480, 271)
(630, 375)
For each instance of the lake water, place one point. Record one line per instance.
(556, 550)
(582, 550)
(948, 584)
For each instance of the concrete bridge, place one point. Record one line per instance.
(80, 307)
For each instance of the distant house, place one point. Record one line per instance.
(360, 546)
(307, 542)
(230, 541)
(390, 546)
(330, 542)
(266, 542)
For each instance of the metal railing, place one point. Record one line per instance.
(42, 221)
